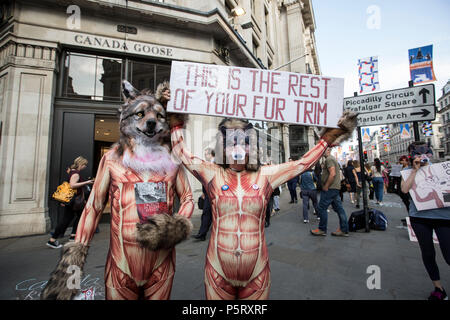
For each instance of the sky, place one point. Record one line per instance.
(350, 30)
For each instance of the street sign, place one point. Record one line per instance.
(424, 113)
(392, 100)
(394, 106)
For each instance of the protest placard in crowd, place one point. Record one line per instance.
(431, 188)
(255, 94)
(395, 170)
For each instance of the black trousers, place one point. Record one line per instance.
(398, 190)
(269, 209)
(423, 228)
(64, 221)
(293, 192)
(206, 217)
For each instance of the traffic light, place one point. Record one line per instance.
(365, 155)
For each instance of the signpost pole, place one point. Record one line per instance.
(415, 124)
(363, 176)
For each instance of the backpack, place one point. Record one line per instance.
(64, 193)
(378, 220)
(357, 221)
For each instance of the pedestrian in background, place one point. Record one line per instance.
(292, 185)
(386, 172)
(350, 175)
(318, 173)
(404, 161)
(377, 180)
(74, 210)
(276, 199)
(269, 210)
(330, 196)
(424, 222)
(206, 218)
(343, 184)
(359, 174)
(308, 191)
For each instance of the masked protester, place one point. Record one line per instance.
(237, 262)
(424, 222)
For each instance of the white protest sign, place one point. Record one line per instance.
(395, 170)
(255, 94)
(412, 234)
(431, 188)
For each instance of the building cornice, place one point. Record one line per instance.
(171, 16)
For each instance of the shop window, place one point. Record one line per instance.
(92, 77)
(162, 73)
(95, 77)
(142, 75)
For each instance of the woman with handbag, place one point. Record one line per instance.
(377, 180)
(352, 178)
(75, 208)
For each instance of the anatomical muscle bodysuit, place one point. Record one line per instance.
(131, 270)
(237, 262)
(140, 180)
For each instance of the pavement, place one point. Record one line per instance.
(303, 267)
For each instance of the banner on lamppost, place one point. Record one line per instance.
(384, 133)
(421, 64)
(427, 129)
(368, 74)
(365, 135)
(405, 133)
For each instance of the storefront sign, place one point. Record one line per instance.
(127, 46)
(256, 94)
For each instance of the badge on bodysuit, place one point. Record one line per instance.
(151, 198)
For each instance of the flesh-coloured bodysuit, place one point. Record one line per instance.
(237, 262)
(132, 272)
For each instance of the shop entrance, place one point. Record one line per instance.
(86, 134)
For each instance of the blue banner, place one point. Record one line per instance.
(421, 64)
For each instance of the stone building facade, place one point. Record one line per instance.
(443, 105)
(61, 64)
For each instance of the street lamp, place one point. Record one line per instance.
(238, 11)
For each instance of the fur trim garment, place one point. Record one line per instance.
(57, 288)
(163, 231)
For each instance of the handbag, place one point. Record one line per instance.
(79, 201)
(371, 192)
(64, 193)
(201, 203)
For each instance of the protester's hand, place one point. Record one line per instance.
(416, 164)
(176, 120)
(325, 188)
(346, 125)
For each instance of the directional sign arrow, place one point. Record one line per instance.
(424, 113)
(424, 93)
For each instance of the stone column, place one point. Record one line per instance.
(26, 83)
(295, 34)
(285, 134)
